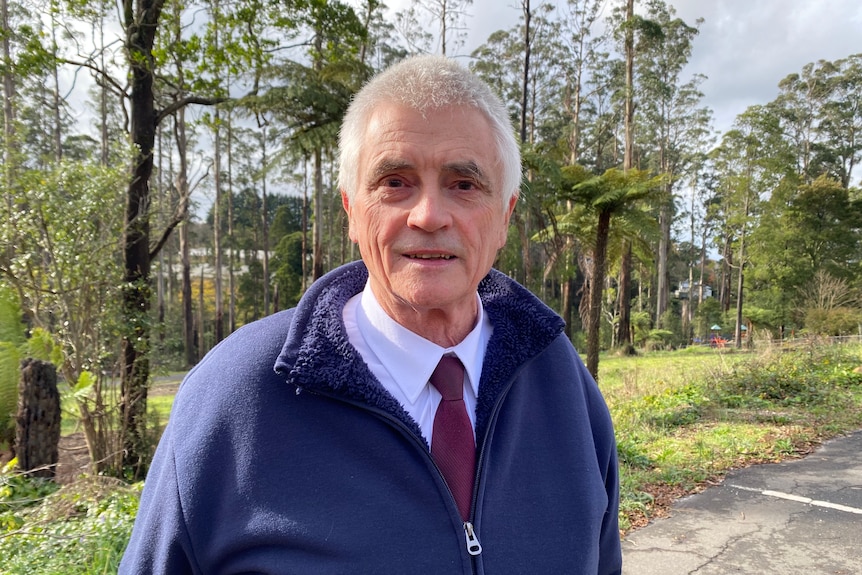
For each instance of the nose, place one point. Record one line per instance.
(430, 212)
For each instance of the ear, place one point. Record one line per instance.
(507, 216)
(345, 202)
(511, 207)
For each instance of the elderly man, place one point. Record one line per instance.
(418, 412)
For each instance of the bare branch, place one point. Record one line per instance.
(173, 107)
(179, 216)
(101, 73)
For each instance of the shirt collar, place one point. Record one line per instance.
(410, 358)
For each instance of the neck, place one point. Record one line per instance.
(445, 327)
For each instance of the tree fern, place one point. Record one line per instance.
(11, 338)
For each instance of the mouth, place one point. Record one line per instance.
(429, 256)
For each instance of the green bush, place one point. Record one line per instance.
(818, 376)
(82, 528)
(835, 321)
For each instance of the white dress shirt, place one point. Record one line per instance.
(403, 361)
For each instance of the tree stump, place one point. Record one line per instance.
(37, 436)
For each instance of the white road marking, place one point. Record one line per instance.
(798, 499)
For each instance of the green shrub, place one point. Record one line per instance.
(82, 528)
(819, 376)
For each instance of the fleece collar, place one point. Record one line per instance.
(317, 355)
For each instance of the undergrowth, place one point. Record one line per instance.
(682, 421)
(81, 528)
(682, 424)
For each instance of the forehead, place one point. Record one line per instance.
(453, 134)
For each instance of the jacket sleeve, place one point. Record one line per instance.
(160, 543)
(610, 548)
(610, 552)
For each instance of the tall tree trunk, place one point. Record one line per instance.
(662, 274)
(624, 325)
(726, 272)
(141, 25)
(162, 195)
(737, 334)
(103, 96)
(566, 307)
(264, 228)
(624, 332)
(189, 348)
(628, 153)
(317, 224)
(217, 241)
(525, 5)
(202, 344)
(305, 224)
(10, 145)
(231, 279)
(182, 184)
(55, 92)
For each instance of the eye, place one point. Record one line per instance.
(465, 185)
(392, 183)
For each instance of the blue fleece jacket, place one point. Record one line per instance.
(285, 455)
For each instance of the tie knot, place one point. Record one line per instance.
(448, 378)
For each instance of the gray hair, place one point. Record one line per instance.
(426, 83)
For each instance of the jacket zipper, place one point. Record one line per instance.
(472, 544)
(474, 548)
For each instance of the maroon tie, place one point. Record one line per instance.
(452, 445)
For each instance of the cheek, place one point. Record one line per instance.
(365, 227)
(502, 231)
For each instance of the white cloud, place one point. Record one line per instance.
(745, 47)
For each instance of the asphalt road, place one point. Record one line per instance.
(797, 517)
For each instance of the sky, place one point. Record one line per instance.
(745, 47)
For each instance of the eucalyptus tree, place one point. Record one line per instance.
(583, 43)
(575, 44)
(821, 114)
(801, 97)
(671, 117)
(9, 97)
(216, 60)
(751, 162)
(531, 91)
(446, 16)
(840, 149)
(307, 96)
(43, 113)
(805, 230)
(701, 190)
(23, 57)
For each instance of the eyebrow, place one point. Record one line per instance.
(469, 169)
(387, 166)
(466, 169)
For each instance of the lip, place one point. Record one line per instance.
(428, 257)
(432, 256)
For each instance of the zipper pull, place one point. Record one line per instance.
(473, 546)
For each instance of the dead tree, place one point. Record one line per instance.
(37, 436)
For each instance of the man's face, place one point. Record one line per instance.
(429, 215)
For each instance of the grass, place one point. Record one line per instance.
(683, 419)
